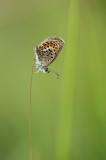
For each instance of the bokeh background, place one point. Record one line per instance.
(69, 114)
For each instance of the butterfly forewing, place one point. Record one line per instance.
(48, 50)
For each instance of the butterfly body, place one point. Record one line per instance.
(47, 52)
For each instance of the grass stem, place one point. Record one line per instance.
(30, 122)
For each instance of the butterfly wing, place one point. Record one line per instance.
(48, 50)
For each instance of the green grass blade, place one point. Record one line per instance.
(67, 98)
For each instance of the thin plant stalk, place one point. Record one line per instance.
(30, 122)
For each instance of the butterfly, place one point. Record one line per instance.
(47, 52)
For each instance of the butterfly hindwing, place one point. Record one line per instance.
(48, 50)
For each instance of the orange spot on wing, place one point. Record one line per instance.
(55, 48)
(40, 48)
(60, 43)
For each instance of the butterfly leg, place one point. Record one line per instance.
(37, 71)
(34, 69)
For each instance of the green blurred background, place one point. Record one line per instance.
(69, 114)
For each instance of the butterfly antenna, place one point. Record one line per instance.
(55, 74)
(30, 122)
